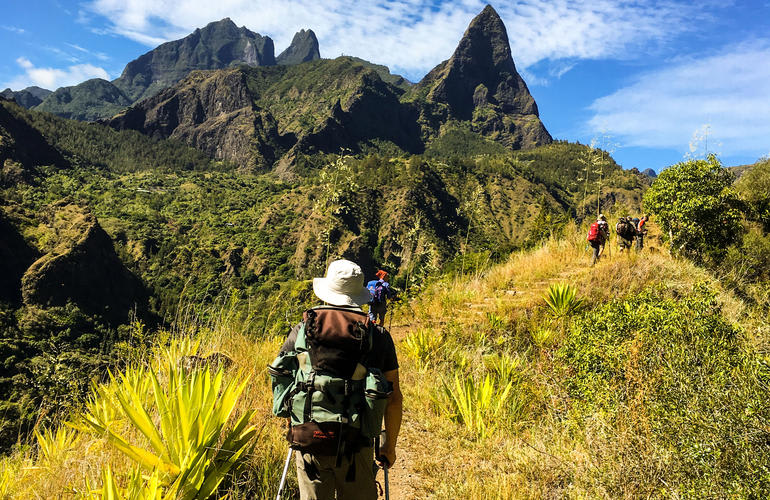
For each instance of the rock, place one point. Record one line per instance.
(82, 267)
(218, 45)
(479, 83)
(214, 112)
(649, 173)
(303, 48)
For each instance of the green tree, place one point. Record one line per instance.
(697, 207)
(754, 190)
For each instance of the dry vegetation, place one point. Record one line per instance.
(490, 343)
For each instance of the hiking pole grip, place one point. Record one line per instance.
(283, 476)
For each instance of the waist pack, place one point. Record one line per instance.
(333, 402)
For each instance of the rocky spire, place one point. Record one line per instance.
(483, 57)
(303, 48)
(481, 74)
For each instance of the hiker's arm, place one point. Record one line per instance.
(392, 417)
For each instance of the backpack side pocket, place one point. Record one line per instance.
(282, 372)
(376, 392)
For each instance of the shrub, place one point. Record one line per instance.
(697, 207)
(674, 374)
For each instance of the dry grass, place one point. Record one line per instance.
(539, 453)
(544, 455)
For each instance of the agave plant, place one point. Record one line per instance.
(53, 444)
(138, 488)
(424, 345)
(191, 450)
(562, 300)
(477, 405)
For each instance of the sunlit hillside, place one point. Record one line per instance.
(650, 382)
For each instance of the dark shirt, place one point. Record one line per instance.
(383, 353)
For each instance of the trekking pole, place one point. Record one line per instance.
(283, 476)
(382, 438)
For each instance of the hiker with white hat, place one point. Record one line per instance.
(336, 380)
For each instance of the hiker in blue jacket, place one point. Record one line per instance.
(380, 292)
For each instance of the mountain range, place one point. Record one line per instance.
(268, 116)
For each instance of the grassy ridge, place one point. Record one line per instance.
(652, 388)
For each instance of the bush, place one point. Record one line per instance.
(675, 375)
(697, 208)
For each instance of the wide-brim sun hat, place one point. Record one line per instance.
(343, 285)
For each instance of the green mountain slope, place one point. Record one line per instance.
(88, 101)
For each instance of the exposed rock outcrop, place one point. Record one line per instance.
(82, 267)
(218, 45)
(303, 48)
(479, 83)
(213, 111)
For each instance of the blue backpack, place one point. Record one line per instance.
(378, 290)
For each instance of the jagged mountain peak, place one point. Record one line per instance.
(303, 48)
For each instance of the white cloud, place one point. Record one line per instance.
(412, 36)
(53, 78)
(14, 29)
(730, 91)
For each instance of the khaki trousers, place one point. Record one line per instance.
(331, 479)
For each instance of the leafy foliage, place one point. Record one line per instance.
(697, 207)
(191, 451)
(674, 370)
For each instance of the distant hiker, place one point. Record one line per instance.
(335, 379)
(605, 228)
(380, 292)
(641, 231)
(626, 232)
(597, 237)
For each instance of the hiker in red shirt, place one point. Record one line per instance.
(640, 232)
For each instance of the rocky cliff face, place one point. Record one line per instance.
(303, 48)
(213, 111)
(82, 267)
(218, 45)
(480, 84)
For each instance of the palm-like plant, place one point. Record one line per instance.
(562, 300)
(190, 451)
(424, 345)
(477, 406)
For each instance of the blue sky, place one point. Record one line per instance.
(651, 81)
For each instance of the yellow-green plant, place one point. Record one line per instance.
(504, 366)
(562, 300)
(138, 488)
(53, 444)
(424, 346)
(184, 421)
(477, 405)
(543, 337)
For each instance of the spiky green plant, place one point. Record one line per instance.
(53, 444)
(505, 366)
(477, 405)
(184, 421)
(424, 346)
(562, 300)
(138, 487)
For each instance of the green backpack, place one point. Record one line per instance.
(333, 402)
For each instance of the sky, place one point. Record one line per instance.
(652, 81)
